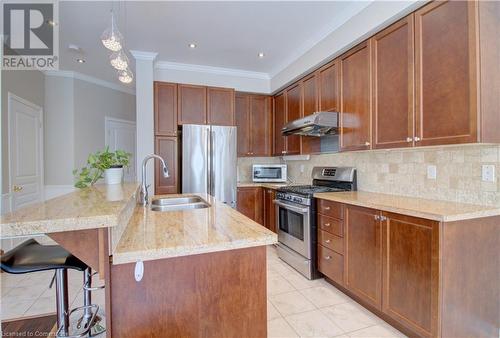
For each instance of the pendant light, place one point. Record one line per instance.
(125, 76)
(112, 38)
(119, 60)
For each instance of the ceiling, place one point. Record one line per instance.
(227, 34)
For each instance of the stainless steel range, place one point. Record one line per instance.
(296, 216)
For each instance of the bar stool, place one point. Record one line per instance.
(31, 256)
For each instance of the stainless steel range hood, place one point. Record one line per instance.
(317, 124)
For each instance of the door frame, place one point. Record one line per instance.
(107, 120)
(10, 97)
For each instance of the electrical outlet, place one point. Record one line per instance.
(431, 172)
(488, 173)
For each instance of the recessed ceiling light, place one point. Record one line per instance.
(80, 60)
(261, 55)
(192, 45)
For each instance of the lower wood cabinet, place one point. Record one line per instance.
(270, 209)
(250, 203)
(167, 148)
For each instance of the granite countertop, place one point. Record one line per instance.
(99, 206)
(153, 235)
(418, 207)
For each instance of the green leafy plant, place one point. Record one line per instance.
(97, 163)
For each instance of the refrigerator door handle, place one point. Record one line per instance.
(209, 163)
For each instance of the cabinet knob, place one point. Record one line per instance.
(327, 257)
(327, 208)
(417, 138)
(377, 217)
(17, 188)
(409, 139)
(327, 241)
(327, 224)
(283, 152)
(367, 143)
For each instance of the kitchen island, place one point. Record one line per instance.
(204, 269)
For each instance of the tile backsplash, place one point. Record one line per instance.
(404, 171)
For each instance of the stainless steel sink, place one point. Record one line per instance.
(178, 203)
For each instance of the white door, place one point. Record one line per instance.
(120, 134)
(25, 152)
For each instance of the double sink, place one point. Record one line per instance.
(178, 203)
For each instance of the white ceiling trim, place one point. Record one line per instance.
(142, 55)
(165, 65)
(90, 79)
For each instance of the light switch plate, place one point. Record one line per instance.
(431, 172)
(488, 173)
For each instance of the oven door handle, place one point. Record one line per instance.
(291, 207)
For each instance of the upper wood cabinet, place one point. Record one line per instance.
(279, 113)
(165, 108)
(446, 72)
(167, 148)
(355, 82)
(364, 254)
(293, 112)
(393, 85)
(220, 103)
(328, 91)
(254, 121)
(192, 104)
(310, 144)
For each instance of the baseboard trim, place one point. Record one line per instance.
(52, 191)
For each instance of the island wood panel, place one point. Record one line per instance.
(192, 101)
(242, 119)
(363, 258)
(250, 203)
(220, 294)
(446, 73)
(165, 108)
(328, 91)
(260, 125)
(270, 209)
(220, 106)
(293, 112)
(355, 121)
(167, 148)
(393, 86)
(310, 144)
(279, 113)
(470, 305)
(411, 272)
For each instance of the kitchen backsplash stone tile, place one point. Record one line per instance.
(404, 171)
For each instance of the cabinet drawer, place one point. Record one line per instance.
(331, 225)
(331, 242)
(331, 264)
(329, 208)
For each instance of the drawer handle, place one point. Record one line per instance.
(327, 224)
(327, 257)
(327, 241)
(327, 208)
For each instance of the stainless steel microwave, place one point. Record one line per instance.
(269, 173)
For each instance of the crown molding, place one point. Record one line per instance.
(166, 65)
(89, 79)
(142, 55)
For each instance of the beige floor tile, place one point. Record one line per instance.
(277, 284)
(377, 331)
(279, 328)
(280, 268)
(41, 306)
(272, 312)
(300, 282)
(324, 296)
(350, 316)
(16, 309)
(291, 302)
(313, 324)
(26, 292)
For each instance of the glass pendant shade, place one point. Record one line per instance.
(125, 76)
(119, 60)
(112, 38)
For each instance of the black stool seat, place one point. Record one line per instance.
(31, 256)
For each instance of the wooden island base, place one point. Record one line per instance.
(221, 294)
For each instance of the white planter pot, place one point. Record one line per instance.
(113, 175)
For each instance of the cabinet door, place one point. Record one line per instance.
(310, 144)
(364, 254)
(410, 272)
(250, 203)
(393, 104)
(279, 122)
(192, 104)
(329, 87)
(293, 112)
(242, 117)
(355, 118)
(220, 103)
(166, 147)
(165, 106)
(270, 209)
(260, 125)
(446, 73)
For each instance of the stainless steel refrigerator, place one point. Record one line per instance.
(209, 162)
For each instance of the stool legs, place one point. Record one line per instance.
(87, 296)
(62, 301)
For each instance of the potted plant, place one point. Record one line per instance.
(101, 164)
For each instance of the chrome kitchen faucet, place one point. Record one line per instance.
(143, 197)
